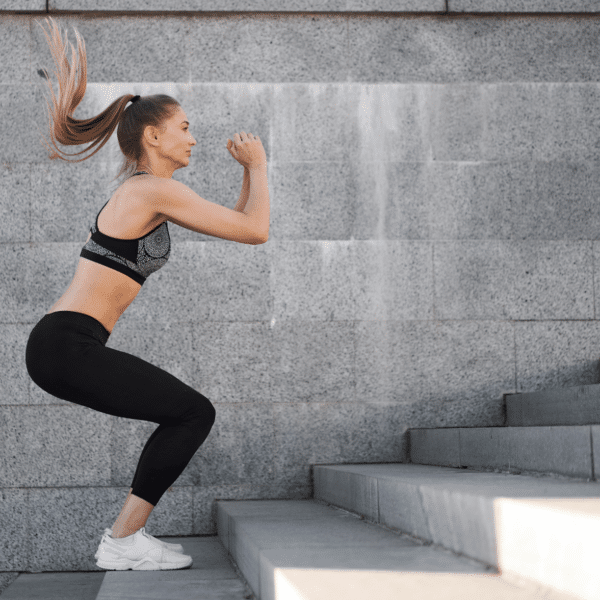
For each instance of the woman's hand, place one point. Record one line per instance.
(247, 150)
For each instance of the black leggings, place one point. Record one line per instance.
(67, 357)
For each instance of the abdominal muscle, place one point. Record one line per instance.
(96, 290)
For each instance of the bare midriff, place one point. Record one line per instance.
(96, 290)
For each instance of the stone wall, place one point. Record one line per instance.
(434, 192)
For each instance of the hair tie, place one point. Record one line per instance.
(134, 99)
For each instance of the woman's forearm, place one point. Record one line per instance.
(241, 203)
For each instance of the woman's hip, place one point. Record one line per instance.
(58, 342)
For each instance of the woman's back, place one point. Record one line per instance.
(104, 287)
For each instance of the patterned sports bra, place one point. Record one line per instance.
(137, 258)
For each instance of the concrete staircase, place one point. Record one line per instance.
(499, 512)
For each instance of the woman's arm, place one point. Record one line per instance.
(241, 203)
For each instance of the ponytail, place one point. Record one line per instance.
(131, 120)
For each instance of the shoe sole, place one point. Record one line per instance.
(144, 564)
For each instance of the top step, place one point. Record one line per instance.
(558, 406)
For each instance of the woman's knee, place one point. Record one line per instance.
(202, 410)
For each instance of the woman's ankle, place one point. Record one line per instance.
(121, 534)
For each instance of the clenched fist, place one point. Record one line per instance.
(247, 149)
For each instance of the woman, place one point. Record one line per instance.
(66, 352)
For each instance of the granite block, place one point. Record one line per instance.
(556, 121)
(313, 201)
(351, 280)
(553, 354)
(474, 200)
(239, 448)
(390, 122)
(34, 278)
(595, 434)
(23, 104)
(156, 50)
(554, 199)
(311, 122)
(76, 514)
(457, 122)
(253, 5)
(449, 48)
(396, 200)
(232, 361)
(487, 447)
(523, 6)
(512, 199)
(435, 446)
(303, 348)
(14, 43)
(15, 201)
(524, 279)
(337, 432)
(578, 405)
(448, 374)
(396, 5)
(347, 489)
(565, 450)
(15, 528)
(271, 47)
(66, 199)
(14, 385)
(23, 5)
(54, 446)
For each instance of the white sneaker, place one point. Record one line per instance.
(167, 545)
(138, 552)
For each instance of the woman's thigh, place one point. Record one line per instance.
(75, 367)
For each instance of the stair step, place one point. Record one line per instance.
(54, 586)
(569, 450)
(304, 549)
(543, 529)
(211, 576)
(578, 405)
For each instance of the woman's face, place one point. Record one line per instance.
(177, 139)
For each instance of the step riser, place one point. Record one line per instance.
(561, 406)
(573, 451)
(456, 521)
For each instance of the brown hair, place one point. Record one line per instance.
(131, 120)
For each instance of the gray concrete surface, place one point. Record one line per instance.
(562, 449)
(54, 586)
(450, 507)
(315, 552)
(577, 405)
(211, 577)
(477, 6)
